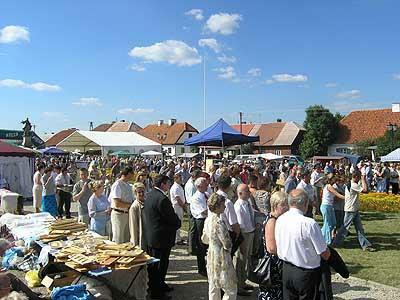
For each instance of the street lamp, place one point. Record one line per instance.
(392, 128)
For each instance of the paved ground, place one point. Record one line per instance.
(188, 284)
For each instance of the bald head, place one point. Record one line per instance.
(243, 191)
(298, 199)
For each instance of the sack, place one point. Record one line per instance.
(261, 273)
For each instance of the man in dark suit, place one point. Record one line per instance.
(160, 230)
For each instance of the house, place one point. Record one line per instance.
(171, 135)
(281, 138)
(59, 136)
(120, 126)
(363, 125)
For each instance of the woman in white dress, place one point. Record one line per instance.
(37, 188)
(220, 270)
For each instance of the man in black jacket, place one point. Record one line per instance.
(161, 225)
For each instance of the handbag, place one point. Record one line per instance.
(261, 273)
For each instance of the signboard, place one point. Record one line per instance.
(16, 137)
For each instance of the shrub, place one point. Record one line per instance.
(380, 202)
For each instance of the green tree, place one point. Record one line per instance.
(321, 130)
(361, 148)
(248, 148)
(388, 143)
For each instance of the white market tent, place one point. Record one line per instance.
(392, 156)
(151, 153)
(270, 156)
(107, 142)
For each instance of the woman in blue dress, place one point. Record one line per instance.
(99, 209)
(49, 202)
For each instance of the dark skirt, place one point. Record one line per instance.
(275, 292)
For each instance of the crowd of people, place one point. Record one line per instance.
(238, 213)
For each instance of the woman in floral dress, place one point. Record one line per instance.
(220, 270)
(279, 205)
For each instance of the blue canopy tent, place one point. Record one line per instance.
(220, 134)
(53, 151)
(393, 156)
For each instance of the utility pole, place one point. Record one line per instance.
(241, 121)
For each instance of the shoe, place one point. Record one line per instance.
(203, 273)
(369, 249)
(168, 288)
(244, 293)
(248, 287)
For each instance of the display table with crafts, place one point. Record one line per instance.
(122, 267)
(118, 265)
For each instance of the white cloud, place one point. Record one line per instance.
(88, 101)
(37, 86)
(254, 72)
(269, 81)
(12, 34)
(195, 13)
(347, 106)
(396, 76)
(125, 111)
(353, 94)
(172, 51)
(331, 85)
(138, 68)
(223, 23)
(289, 78)
(210, 43)
(226, 59)
(227, 73)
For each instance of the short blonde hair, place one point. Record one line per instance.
(95, 185)
(215, 201)
(277, 199)
(138, 185)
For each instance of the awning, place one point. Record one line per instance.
(392, 156)
(10, 150)
(53, 151)
(151, 153)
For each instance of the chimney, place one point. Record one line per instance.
(160, 122)
(395, 107)
(171, 122)
(279, 120)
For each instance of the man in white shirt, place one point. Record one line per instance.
(177, 197)
(352, 212)
(301, 246)
(245, 217)
(190, 189)
(317, 181)
(308, 188)
(199, 210)
(63, 181)
(121, 198)
(229, 216)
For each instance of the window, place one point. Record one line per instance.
(190, 135)
(183, 150)
(343, 150)
(278, 152)
(169, 150)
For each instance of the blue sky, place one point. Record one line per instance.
(65, 63)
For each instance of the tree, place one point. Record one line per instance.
(248, 148)
(321, 130)
(388, 143)
(362, 148)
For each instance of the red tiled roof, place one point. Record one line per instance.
(124, 127)
(102, 127)
(364, 125)
(171, 133)
(246, 128)
(59, 136)
(269, 133)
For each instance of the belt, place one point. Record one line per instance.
(120, 211)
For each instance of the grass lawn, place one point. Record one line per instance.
(383, 266)
(383, 231)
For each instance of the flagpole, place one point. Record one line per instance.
(204, 104)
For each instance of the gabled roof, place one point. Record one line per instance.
(102, 127)
(272, 134)
(364, 125)
(10, 150)
(123, 126)
(165, 134)
(59, 136)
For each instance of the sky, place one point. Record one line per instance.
(66, 63)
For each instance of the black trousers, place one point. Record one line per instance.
(158, 271)
(300, 283)
(395, 188)
(64, 199)
(192, 234)
(201, 249)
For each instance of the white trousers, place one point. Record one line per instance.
(120, 227)
(214, 293)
